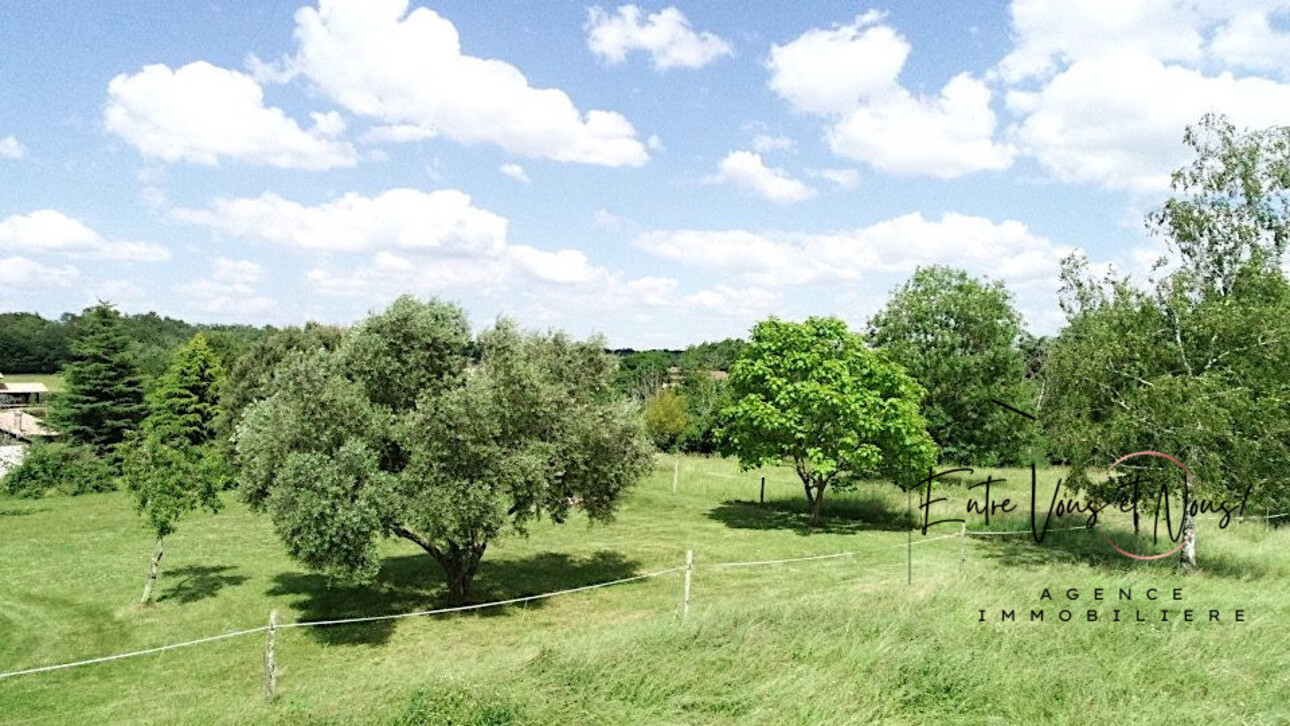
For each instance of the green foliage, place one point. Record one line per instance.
(60, 468)
(716, 356)
(31, 344)
(169, 478)
(104, 396)
(665, 418)
(1231, 205)
(251, 376)
(340, 457)
(813, 393)
(642, 374)
(184, 405)
(705, 398)
(1199, 365)
(957, 336)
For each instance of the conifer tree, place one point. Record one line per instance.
(104, 397)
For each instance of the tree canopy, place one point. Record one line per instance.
(347, 451)
(1196, 365)
(104, 396)
(812, 393)
(958, 337)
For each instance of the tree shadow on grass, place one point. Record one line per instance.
(20, 511)
(840, 516)
(198, 582)
(1090, 548)
(412, 583)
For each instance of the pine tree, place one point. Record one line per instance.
(186, 399)
(104, 396)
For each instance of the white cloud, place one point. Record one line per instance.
(1117, 119)
(203, 114)
(444, 221)
(1007, 249)
(832, 71)
(850, 75)
(20, 273)
(1247, 40)
(514, 171)
(745, 169)
(230, 271)
(407, 69)
(1102, 90)
(1048, 34)
(665, 35)
(11, 148)
(50, 231)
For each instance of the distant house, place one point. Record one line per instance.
(17, 425)
(21, 395)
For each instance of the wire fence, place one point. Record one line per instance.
(272, 627)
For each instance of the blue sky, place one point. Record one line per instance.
(662, 174)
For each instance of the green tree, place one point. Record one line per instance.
(814, 394)
(1198, 364)
(171, 466)
(958, 337)
(186, 400)
(665, 418)
(167, 478)
(103, 400)
(343, 454)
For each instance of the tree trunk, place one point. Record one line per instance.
(152, 571)
(1187, 560)
(459, 566)
(817, 505)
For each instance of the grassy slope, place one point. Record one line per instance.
(832, 641)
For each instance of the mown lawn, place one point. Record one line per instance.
(843, 640)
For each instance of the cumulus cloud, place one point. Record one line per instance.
(21, 273)
(850, 75)
(1005, 249)
(442, 220)
(1102, 91)
(666, 36)
(11, 148)
(204, 114)
(746, 170)
(407, 70)
(50, 231)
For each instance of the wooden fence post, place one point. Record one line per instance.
(271, 658)
(763, 490)
(689, 568)
(676, 473)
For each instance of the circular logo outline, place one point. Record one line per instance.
(1190, 476)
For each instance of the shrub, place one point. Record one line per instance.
(59, 467)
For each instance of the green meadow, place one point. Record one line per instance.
(865, 638)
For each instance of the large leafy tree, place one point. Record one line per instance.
(812, 393)
(1198, 364)
(399, 434)
(958, 337)
(104, 398)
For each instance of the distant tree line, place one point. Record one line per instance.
(30, 343)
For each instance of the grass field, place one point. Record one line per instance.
(834, 641)
(52, 381)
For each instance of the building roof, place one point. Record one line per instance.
(22, 388)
